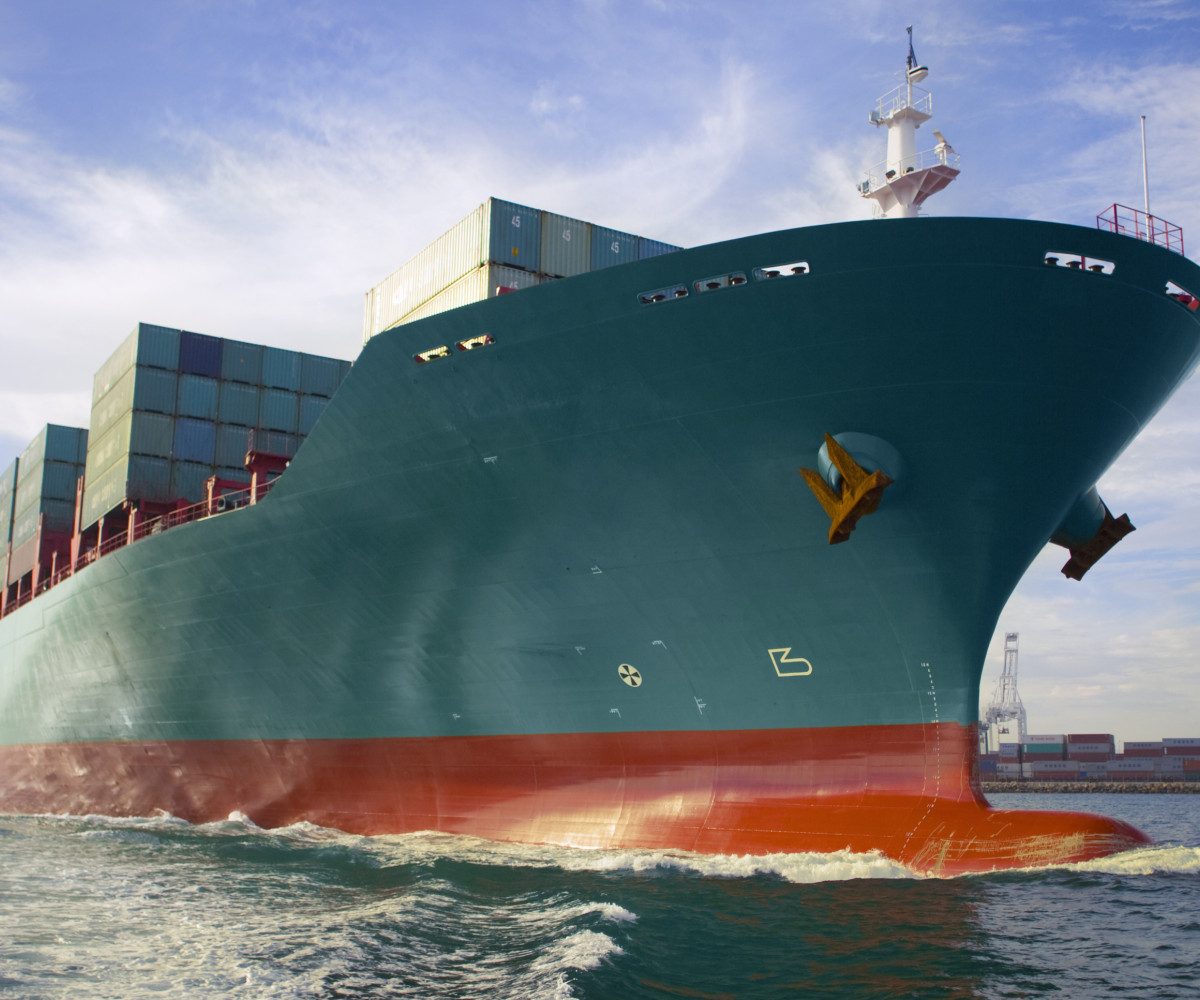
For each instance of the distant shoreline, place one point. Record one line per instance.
(1131, 787)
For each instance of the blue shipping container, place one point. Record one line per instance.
(610, 246)
(199, 354)
(653, 248)
(515, 234)
(195, 440)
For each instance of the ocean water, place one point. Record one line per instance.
(155, 907)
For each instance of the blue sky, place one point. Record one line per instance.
(250, 169)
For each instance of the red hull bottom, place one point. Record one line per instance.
(906, 791)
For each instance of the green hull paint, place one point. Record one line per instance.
(474, 545)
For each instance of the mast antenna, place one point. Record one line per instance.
(900, 185)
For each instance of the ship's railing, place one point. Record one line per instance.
(1128, 221)
(223, 504)
(904, 96)
(884, 173)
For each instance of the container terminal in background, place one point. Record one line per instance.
(1093, 758)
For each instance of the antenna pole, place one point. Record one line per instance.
(1145, 172)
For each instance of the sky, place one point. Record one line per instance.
(248, 169)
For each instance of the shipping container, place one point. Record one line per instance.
(1008, 769)
(610, 246)
(1091, 738)
(55, 515)
(1082, 756)
(194, 441)
(149, 346)
(281, 369)
(197, 397)
(1182, 750)
(1053, 749)
(8, 493)
(311, 408)
(278, 410)
(238, 403)
(1182, 741)
(1168, 765)
(653, 248)
(1143, 745)
(150, 389)
(1010, 749)
(140, 433)
(189, 480)
(505, 234)
(1074, 748)
(566, 246)
(514, 234)
(232, 444)
(200, 354)
(484, 282)
(241, 362)
(53, 442)
(1042, 738)
(134, 477)
(275, 443)
(48, 480)
(320, 376)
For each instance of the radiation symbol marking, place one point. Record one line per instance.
(630, 674)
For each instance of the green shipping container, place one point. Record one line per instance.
(238, 404)
(135, 477)
(148, 345)
(278, 410)
(241, 362)
(149, 389)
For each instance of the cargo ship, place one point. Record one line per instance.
(700, 551)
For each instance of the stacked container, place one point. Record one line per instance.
(8, 493)
(1182, 746)
(1044, 748)
(1143, 749)
(500, 247)
(172, 408)
(47, 473)
(1091, 747)
(1136, 769)
(1054, 770)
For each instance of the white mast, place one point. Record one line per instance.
(900, 184)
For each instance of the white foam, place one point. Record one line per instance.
(582, 950)
(1164, 859)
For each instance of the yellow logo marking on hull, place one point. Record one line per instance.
(782, 657)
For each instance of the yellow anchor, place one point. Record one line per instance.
(858, 496)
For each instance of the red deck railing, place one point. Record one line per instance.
(223, 504)
(1128, 221)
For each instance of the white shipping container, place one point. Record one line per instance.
(495, 229)
(1185, 741)
(482, 283)
(1056, 738)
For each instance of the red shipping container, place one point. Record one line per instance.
(1090, 738)
(1183, 751)
(1136, 752)
(1191, 765)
